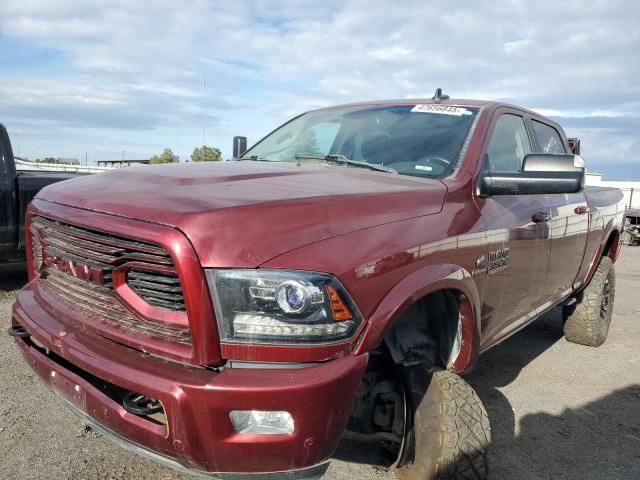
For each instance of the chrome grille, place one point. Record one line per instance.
(97, 304)
(152, 276)
(157, 288)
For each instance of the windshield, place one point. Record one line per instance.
(420, 140)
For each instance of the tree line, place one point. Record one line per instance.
(200, 154)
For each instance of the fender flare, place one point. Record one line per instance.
(417, 285)
(608, 231)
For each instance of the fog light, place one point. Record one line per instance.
(256, 421)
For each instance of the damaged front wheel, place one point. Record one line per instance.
(450, 433)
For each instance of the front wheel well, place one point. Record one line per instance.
(428, 332)
(423, 341)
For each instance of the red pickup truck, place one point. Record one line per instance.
(242, 317)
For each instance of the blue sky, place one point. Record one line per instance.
(98, 78)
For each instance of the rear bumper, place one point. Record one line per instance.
(198, 434)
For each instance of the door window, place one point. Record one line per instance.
(508, 146)
(548, 138)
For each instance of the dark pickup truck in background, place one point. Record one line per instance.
(242, 317)
(17, 188)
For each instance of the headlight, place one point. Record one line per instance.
(281, 307)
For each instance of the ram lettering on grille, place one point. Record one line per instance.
(77, 265)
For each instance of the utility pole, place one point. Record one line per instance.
(204, 95)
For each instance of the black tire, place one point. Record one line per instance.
(450, 432)
(588, 323)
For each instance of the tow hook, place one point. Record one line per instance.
(141, 405)
(18, 331)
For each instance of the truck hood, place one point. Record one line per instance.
(241, 214)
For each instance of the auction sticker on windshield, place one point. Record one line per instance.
(442, 109)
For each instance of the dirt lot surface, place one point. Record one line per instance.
(558, 410)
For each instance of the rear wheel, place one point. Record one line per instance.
(450, 434)
(588, 322)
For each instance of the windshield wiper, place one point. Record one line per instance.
(256, 158)
(342, 160)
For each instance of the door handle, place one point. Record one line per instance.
(540, 217)
(581, 210)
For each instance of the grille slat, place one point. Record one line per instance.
(158, 301)
(102, 307)
(174, 291)
(158, 289)
(83, 248)
(170, 297)
(79, 257)
(152, 277)
(70, 290)
(100, 237)
(98, 249)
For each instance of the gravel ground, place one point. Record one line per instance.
(558, 411)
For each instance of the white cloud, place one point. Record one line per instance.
(550, 112)
(516, 46)
(389, 53)
(143, 61)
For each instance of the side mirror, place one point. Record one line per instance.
(541, 174)
(574, 144)
(239, 146)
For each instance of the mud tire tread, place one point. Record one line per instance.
(453, 434)
(584, 325)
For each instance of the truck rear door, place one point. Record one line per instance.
(568, 222)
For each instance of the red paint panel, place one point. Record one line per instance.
(197, 401)
(225, 208)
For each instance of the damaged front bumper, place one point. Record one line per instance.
(195, 432)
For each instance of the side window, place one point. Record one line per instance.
(548, 138)
(508, 146)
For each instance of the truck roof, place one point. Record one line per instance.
(465, 102)
(413, 101)
(462, 102)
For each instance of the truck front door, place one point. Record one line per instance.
(518, 255)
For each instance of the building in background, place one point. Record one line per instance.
(630, 189)
(121, 163)
(66, 161)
